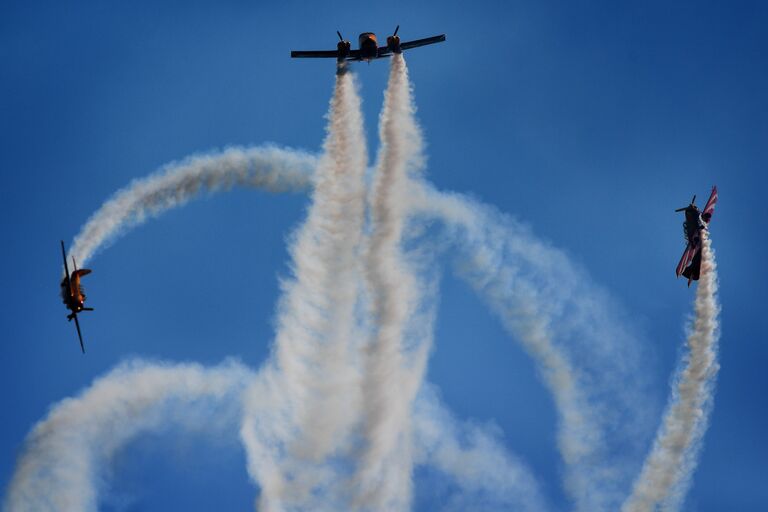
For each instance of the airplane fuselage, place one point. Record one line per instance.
(74, 298)
(693, 224)
(368, 45)
(72, 293)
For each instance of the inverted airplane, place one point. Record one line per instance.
(72, 292)
(695, 222)
(368, 48)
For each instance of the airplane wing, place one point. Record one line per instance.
(709, 209)
(66, 268)
(311, 54)
(688, 254)
(422, 42)
(354, 55)
(323, 54)
(79, 334)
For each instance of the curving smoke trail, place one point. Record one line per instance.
(391, 380)
(314, 373)
(66, 453)
(583, 354)
(667, 471)
(504, 254)
(268, 167)
(302, 410)
(473, 456)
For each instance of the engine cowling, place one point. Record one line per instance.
(343, 49)
(393, 43)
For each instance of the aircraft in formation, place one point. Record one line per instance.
(72, 292)
(368, 48)
(695, 222)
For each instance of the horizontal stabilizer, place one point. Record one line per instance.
(81, 272)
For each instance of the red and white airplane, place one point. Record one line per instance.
(695, 222)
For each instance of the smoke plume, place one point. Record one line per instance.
(474, 458)
(580, 344)
(269, 168)
(66, 453)
(667, 470)
(339, 417)
(315, 372)
(383, 480)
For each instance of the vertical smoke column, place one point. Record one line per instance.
(383, 480)
(302, 407)
(668, 468)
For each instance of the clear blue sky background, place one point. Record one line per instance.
(591, 121)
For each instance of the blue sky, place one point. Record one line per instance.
(591, 122)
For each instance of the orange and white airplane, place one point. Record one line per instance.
(72, 292)
(368, 48)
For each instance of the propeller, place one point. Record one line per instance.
(340, 38)
(692, 204)
(396, 29)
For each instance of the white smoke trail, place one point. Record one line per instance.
(541, 298)
(68, 453)
(176, 183)
(667, 470)
(269, 168)
(315, 374)
(563, 323)
(65, 454)
(383, 479)
(488, 478)
(488, 237)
